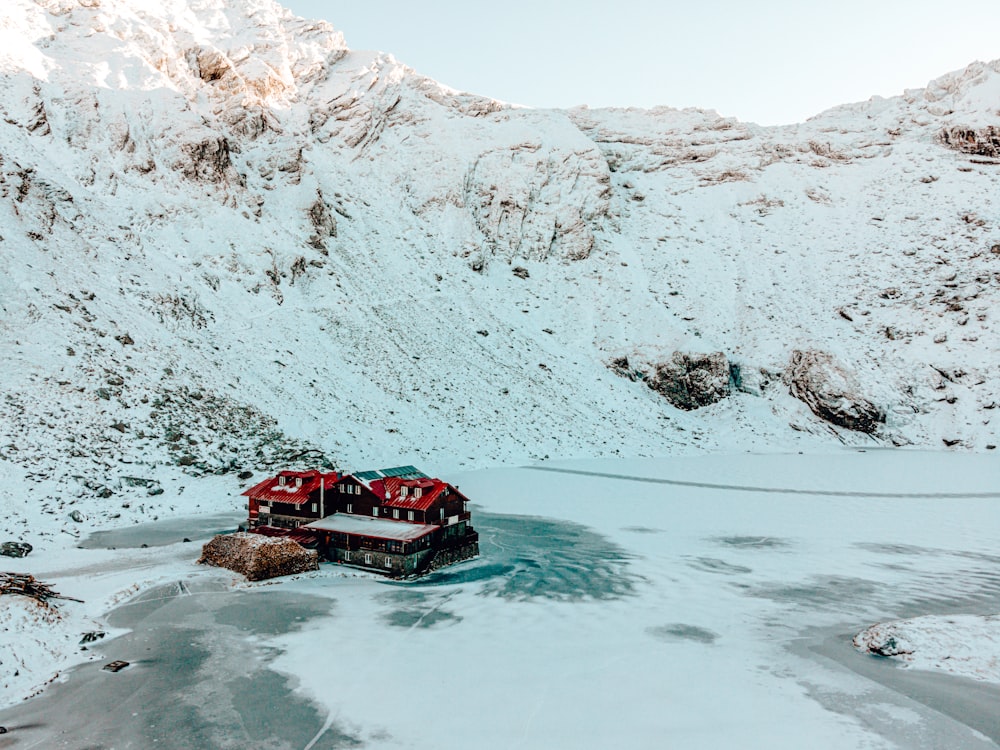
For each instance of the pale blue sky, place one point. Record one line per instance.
(773, 61)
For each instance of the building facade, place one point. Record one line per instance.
(397, 521)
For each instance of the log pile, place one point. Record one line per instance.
(258, 557)
(27, 585)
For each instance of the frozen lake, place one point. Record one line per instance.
(639, 608)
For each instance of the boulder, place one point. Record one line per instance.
(258, 557)
(831, 392)
(15, 549)
(690, 381)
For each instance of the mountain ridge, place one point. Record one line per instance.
(230, 241)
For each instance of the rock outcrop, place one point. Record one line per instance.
(538, 202)
(831, 392)
(976, 141)
(209, 161)
(690, 381)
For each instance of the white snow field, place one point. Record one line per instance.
(229, 243)
(604, 612)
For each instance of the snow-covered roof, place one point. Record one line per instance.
(272, 490)
(380, 528)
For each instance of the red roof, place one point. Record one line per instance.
(297, 487)
(391, 490)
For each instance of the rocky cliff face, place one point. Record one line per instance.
(831, 392)
(227, 239)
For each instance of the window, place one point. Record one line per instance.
(442, 513)
(281, 481)
(315, 507)
(418, 492)
(409, 515)
(347, 555)
(374, 510)
(350, 508)
(298, 481)
(368, 558)
(403, 490)
(388, 562)
(341, 489)
(395, 512)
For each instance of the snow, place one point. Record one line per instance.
(618, 609)
(644, 232)
(377, 527)
(965, 645)
(174, 314)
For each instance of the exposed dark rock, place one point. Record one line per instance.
(209, 161)
(831, 392)
(136, 482)
(298, 268)
(77, 516)
(322, 217)
(15, 549)
(977, 141)
(521, 272)
(690, 381)
(621, 366)
(210, 65)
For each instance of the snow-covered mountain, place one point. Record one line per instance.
(227, 239)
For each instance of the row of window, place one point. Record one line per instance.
(350, 489)
(395, 512)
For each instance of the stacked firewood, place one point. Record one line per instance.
(258, 557)
(28, 585)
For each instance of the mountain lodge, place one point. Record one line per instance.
(396, 521)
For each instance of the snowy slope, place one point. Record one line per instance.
(228, 239)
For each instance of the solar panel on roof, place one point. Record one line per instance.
(401, 472)
(404, 472)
